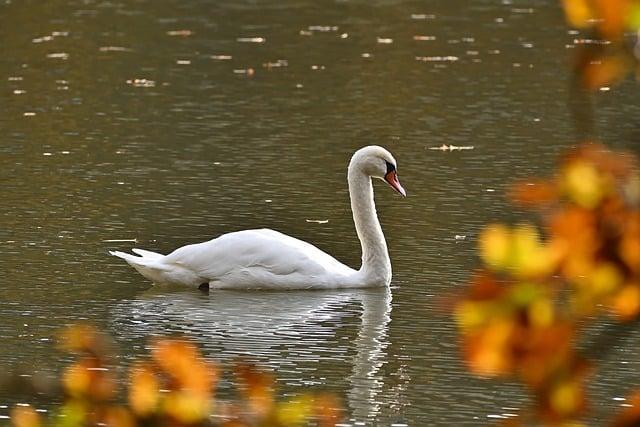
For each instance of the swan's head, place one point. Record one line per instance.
(378, 163)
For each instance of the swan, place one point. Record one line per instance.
(267, 259)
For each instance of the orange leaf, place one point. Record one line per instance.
(604, 71)
(533, 193)
(612, 16)
(578, 13)
(144, 392)
(626, 303)
(25, 416)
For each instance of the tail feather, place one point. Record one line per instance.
(140, 261)
(131, 259)
(147, 254)
(152, 266)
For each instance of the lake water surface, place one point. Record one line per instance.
(171, 122)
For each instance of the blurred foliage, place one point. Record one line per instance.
(610, 50)
(537, 291)
(174, 387)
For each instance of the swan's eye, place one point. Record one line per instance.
(390, 167)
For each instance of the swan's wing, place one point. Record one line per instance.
(255, 251)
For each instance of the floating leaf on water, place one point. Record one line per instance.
(50, 37)
(251, 39)
(306, 33)
(181, 33)
(277, 64)
(42, 39)
(141, 82)
(221, 57)
(114, 49)
(424, 38)
(421, 16)
(58, 55)
(449, 58)
(344, 35)
(445, 147)
(592, 42)
(323, 28)
(522, 10)
(246, 71)
(317, 221)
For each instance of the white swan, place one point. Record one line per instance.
(267, 259)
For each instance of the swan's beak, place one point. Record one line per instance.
(392, 179)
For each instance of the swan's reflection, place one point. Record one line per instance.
(283, 331)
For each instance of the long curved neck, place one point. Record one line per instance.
(376, 265)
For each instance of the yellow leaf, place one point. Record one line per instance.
(528, 257)
(604, 278)
(566, 398)
(470, 314)
(495, 246)
(294, 412)
(541, 313)
(578, 13)
(76, 379)
(487, 351)
(633, 17)
(186, 407)
(583, 184)
(144, 392)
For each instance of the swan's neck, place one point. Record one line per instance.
(376, 265)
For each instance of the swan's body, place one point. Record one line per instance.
(268, 259)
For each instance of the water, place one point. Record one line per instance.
(173, 122)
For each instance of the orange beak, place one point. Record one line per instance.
(392, 179)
